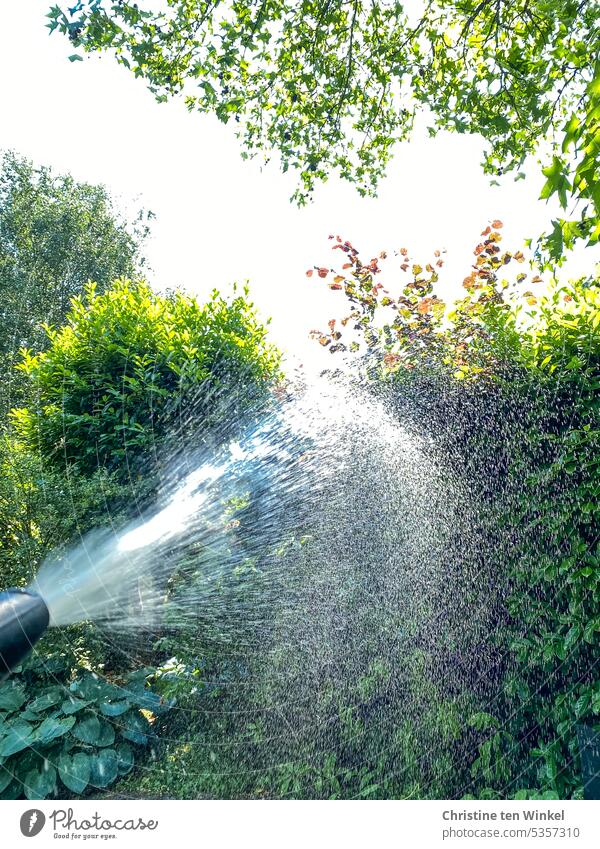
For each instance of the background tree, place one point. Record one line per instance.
(55, 235)
(332, 86)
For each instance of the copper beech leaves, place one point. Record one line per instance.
(395, 322)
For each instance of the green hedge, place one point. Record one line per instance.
(130, 366)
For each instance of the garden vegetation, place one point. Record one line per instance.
(102, 378)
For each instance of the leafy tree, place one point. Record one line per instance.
(55, 235)
(129, 366)
(332, 86)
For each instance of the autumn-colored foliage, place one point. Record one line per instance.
(407, 322)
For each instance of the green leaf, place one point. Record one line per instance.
(12, 791)
(52, 728)
(39, 783)
(73, 705)
(6, 776)
(106, 734)
(94, 688)
(554, 241)
(46, 700)
(483, 721)
(12, 696)
(136, 728)
(115, 708)
(104, 768)
(582, 704)
(125, 758)
(75, 771)
(87, 729)
(18, 738)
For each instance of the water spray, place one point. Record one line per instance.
(237, 509)
(23, 619)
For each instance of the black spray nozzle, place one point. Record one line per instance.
(23, 619)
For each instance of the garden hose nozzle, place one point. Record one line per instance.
(23, 619)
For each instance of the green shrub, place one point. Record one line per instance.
(42, 508)
(554, 638)
(128, 370)
(130, 366)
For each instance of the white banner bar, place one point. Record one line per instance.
(279, 825)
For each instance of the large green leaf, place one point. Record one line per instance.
(12, 696)
(104, 768)
(87, 729)
(39, 783)
(106, 734)
(12, 790)
(94, 688)
(17, 738)
(6, 776)
(75, 771)
(115, 708)
(135, 728)
(125, 758)
(52, 728)
(45, 700)
(73, 705)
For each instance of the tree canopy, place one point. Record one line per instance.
(331, 86)
(55, 235)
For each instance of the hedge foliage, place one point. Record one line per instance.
(130, 367)
(534, 353)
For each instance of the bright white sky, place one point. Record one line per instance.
(220, 219)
